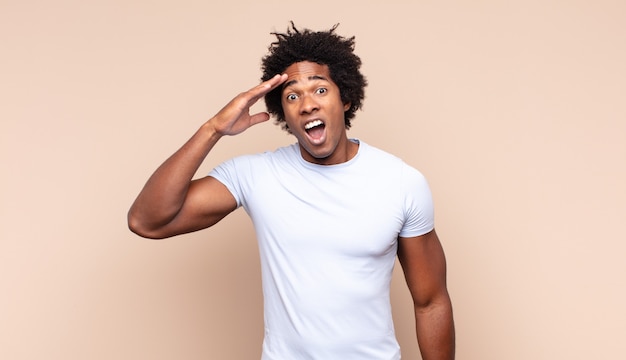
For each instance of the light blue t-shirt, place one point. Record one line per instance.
(328, 240)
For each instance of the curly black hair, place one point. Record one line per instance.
(324, 48)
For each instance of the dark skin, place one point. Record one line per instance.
(172, 203)
(424, 266)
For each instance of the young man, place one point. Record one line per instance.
(330, 213)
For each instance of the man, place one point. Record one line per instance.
(330, 213)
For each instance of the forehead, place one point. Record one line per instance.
(306, 70)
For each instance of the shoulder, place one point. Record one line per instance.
(244, 173)
(285, 153)
(389, 162)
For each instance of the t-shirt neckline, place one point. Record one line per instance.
(334, 166)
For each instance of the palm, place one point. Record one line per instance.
(235, 117)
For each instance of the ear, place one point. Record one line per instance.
(347, 106)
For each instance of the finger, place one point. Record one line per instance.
(263, 88)
(276, 80)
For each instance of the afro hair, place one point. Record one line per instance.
(324, 48)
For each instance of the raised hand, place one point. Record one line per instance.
(235, 117)
(171, 203)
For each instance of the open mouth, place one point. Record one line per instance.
(315, 129)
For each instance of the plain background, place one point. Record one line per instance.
(514, 110)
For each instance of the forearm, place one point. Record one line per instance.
(435, 330)
(164, 193)
(167, 193)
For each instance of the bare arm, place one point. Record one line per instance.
(424, 265)
(171, 203)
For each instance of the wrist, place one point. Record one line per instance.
(209, 131)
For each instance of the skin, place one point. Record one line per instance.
(424, 265)
(310, 94)
(172, 203)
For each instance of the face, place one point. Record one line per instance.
(314, 114)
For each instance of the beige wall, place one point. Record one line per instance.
(515, 111)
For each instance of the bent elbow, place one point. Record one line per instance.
(140, 228)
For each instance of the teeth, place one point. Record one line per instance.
(312, 124)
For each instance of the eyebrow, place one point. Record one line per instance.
(310, 78)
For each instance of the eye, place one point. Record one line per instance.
(321, 91)
(291, 97)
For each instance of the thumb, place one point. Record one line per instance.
(259, 118)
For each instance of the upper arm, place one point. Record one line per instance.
(207, 202)
(424, 266)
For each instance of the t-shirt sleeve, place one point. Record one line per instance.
(226, 173)
(418, 202)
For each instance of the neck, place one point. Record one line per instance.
(344, 152)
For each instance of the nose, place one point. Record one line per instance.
(308, 105)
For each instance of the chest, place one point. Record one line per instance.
(348, 214)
